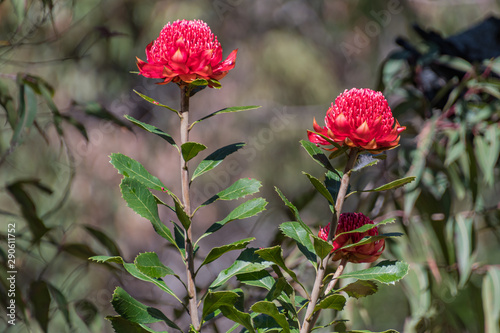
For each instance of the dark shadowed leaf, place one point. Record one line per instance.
(321, 247)
(297, 232)
(317, 154)
(360, 288)
(216, 252)
(104, 239)
(214, 300)
(86, 310)
(40, 300)
(214, 159)
(154, 130)
(61, 301)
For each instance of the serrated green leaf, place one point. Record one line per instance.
(386, 271)
(214, 300)
(366, 227)
(320, 187)
(216, 158)
(149, 264)
(102, 238)
(243, 211)
(275, 255)
(270, 309)
(122, 325)
(142, 201)
(321, 247)
(216, 252)
(247, 262)
(297, 232)
(294, 210)
(153, 129)
(129, 167)
(239, 189)
(241, 318)
(191, 149)
(336, 302)
(360, 288)
(227, 110)
(134, 311)
(317, 154)
(152, 101)
(103, 259)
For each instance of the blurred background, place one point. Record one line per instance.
(65, 84)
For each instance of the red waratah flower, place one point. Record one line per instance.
(186, 51)
(359, 118)
(362, 253)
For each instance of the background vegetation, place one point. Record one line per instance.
(65, 85)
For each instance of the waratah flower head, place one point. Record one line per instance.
(357, 254)
(186, 51)
(359, 118)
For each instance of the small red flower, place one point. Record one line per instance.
(362, 253)
(359, 118)
(186, 51)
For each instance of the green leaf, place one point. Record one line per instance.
(143, 203)
(40, 299)
(133, 310)
(61, 301)
(317, 154)
(320, 187)
(491, 301)
(216, 252)
(242, 318)
(332, 183)
(122, 325)
(463, 244)
(191, 149)
(149, 264)
(28, 209)
(135, 272)
(275, 255)
(321, 247)
(371, 239)
(214, 300)
(386, 271)
(261, 279)
(129, 167)
(152, 101)
(27, 113)
(243, 211)
(102, 238)
(294, 210)
(394, 184)
(297, 232)
(181, 214)
(180, 239)
(247, 262)
(239, 189)
(366, 227)
(270, 309)
(334, 301)
(360, 288)
(227, 110)
(154, 130)
(214, 159)
(7, 102)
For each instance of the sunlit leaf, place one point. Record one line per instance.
(239, 189)
(241, 318)
(386, 271)
(335, 302)
(317, 154)
(216, 252)
(149, 264)
(227, 110)
(321, 247)
(154, 130)
(297, 232)
(270, 309)
(191, 149)
(215, 299)
(152, 101)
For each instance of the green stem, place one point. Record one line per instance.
(186, 201)
(311, 317)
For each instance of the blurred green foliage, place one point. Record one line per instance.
(290, 61)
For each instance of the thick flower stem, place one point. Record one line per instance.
(190, 272)
(311, 317)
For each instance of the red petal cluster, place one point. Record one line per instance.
(185, 51)
(362, 253)
(359, 118)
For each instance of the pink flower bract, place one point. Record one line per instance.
(186, 51)
(359, 118)
(357, 254)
